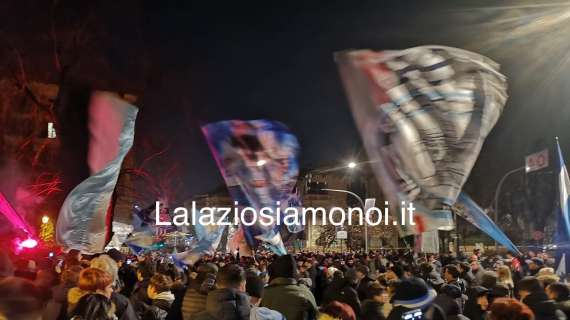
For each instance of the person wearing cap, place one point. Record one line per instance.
(411, 295)
(285, 295)
(532, 294)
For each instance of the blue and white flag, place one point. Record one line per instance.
(564, 189)
(258, 160)
(470, 211)
(85, 218)
(423, 114)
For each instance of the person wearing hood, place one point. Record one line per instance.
(158, 291)
(560, 293)
(285, 295)
(532, 294)
(412, 295)
(477, 303)
(228, 301)
(448, 308)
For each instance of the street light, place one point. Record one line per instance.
(351, 165)
(362, 204)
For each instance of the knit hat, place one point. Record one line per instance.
(413, 293)
(105, 263)
(283, 267)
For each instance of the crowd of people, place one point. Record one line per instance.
(389, 285)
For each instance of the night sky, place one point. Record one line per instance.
(193, 63)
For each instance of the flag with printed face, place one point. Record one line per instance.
(85, 219)
(423, 114)
(258, 160)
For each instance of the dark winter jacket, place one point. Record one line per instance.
(543, 308)
(225, 304)
(295, 302)
(363, 287)
(124, 308)
(371, 310)
(56, 308)
(342, 290)
(564, 306)
(159, 308)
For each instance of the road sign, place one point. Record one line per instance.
(536, 161)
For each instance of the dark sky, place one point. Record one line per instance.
(213, 60)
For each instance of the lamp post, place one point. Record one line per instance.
(495, 204)
(362, 205)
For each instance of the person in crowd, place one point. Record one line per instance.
(336, 311)
(254, 287)
(56, 308)
(532, 294)
(91, 280)
(477, 270)
(451, 274)
(534, 266)
(446, 307)
(284, 295)
(477, 303)
(145, 270)
(364, 281)
(94, 306)
(547, 276)
(509, 309)
(158, 291)
(560, 293)
(505, 279)
(411, 295)
(344, 290)
(124, 308)
(197, 292)
(20, 299)
(373, 306)
(466, 274)
(229, 300)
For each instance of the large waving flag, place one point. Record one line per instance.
(258, 160)
(423, 114)
(564, 189)
(470, 211)
(85, 219)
